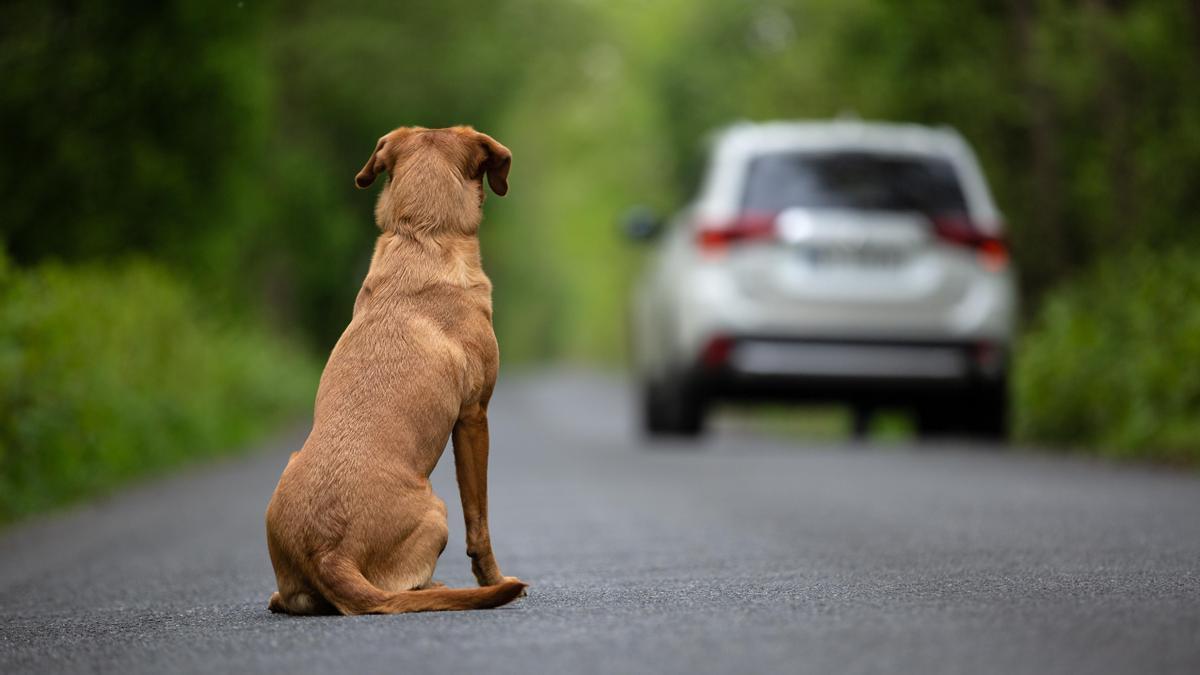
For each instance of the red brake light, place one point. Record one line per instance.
(716, 352)
(716, 237)
(993, 252)
(989, 357)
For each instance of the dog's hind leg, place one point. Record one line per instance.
(410, 566)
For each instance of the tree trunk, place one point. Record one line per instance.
(1045, 231)
(1120, 213)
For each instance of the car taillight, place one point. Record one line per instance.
(992, 251)
(718, 236)
(989, 357)
(716, 352)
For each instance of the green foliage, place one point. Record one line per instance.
(111, 373)
(129, 130)
(221, 139)
(1111, 362)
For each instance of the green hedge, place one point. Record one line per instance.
(1112, 362)
(111, 373)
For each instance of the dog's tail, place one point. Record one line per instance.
(351, 593)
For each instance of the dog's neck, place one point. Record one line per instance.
(407, 262)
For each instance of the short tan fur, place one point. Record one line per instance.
(354, 526)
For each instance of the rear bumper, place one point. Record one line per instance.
(894, 372)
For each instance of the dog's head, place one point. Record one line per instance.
(435, 177)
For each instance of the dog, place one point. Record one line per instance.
(353, 526)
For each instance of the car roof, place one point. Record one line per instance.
(754, 138)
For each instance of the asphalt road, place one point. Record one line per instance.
(746, 554)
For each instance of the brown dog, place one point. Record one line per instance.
(354, 526)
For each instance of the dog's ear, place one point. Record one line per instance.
(375, 166)
(496, 161)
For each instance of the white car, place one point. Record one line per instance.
(841, 261)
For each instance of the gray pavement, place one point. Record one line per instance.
(748, 553)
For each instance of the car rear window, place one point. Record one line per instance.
(853, 180)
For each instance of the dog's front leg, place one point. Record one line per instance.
(471, 463)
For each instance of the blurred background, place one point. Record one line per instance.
(182, 240)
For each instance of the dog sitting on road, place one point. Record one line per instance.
(354, 526)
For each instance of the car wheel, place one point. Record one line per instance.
(672, 408)
(981, 413)
(988, 412)
(935, 418)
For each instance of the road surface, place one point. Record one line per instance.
(747, 554)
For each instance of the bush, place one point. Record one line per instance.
(1113, 361)
(108, 374)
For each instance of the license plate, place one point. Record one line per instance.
(859, 256)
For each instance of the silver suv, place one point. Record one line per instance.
(840, 261)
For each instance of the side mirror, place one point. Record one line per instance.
(641, 224)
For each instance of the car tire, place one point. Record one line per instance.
(672, 408)
(988, 412)
(981, 413)
(936, 418)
